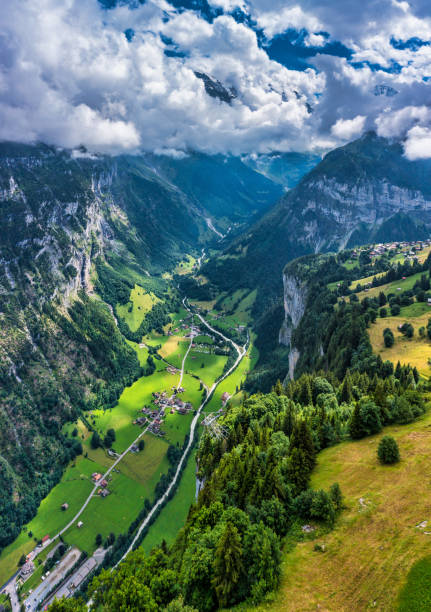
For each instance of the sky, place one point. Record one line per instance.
(118, 76)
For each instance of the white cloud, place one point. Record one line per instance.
(275, 22)
(228, 5)
(68, 75)
(347, 129)
(418, 143)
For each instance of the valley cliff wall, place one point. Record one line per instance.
(295, 299)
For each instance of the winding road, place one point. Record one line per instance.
(241, 352)
(10, 587)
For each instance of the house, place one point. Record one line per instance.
(104, 492)
(80, 524)
(225, 397)
(45, 539)
(64, 506)
(104, 483)
(27, 568)
(96, 476)
(429, 301)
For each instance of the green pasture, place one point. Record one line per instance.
(105, 515)
(140, 303)
(415, 596)
(74, 488)
(173, 516)
(213, 365)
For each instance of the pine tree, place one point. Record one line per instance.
(278, 389)
(355, 426)
(346, 394)
(228, 565)
(305, 395)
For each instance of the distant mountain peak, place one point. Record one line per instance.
(215, 89)
(385, 90)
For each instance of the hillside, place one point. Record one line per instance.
(363, 192)
(380, 536)
(74, 228)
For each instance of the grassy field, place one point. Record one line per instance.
(174, 514)
(213, 365)
(74, 488)
(415, 351)
(174, 349)
(141, 302)
(132, 399)
(405, 284)
(5, 602)
(233, 382)
(376, 540)
(185, 266)
(416, 593)
(112, 514)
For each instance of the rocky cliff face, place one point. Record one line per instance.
(294, 298)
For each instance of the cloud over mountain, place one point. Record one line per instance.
(74, 73)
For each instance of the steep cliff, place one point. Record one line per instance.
(363, 192)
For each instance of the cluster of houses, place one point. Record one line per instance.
(410, 249)
(98, 479)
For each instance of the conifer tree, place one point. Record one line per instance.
(346, 394)
(228, 565)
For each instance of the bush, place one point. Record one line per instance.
(383, 313)
(388, 452)
(388, 338)
(395, 310)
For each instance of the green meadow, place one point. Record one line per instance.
(173, 516)
(140, 303)
(74, 488)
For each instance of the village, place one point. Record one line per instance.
(408, 249)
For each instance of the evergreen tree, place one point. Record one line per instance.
(388, 451)
(228, 565)
(346, 394)
(305, 395)
(356, 430)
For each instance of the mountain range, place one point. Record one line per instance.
(65, 213)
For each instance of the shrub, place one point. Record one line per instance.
(388, 337)
(395, 310)
(388, 452)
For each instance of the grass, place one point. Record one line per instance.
(112, 514)
(142, 302)
(415, 351)
(74, 488)
(141, 466)
(185, 266)
(5, 602)
(174, 349)
(373, 547)
(416, 593)
(174, 514)
(233, 381)
(404, 285)
(213, 365)
(132, 399)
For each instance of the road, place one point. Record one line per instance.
(241, 352)
(11, 586)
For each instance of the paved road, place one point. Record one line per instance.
(241, 352)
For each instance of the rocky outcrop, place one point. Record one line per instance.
(295, 298)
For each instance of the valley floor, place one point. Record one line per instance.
(384, 530)
(134, 478)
